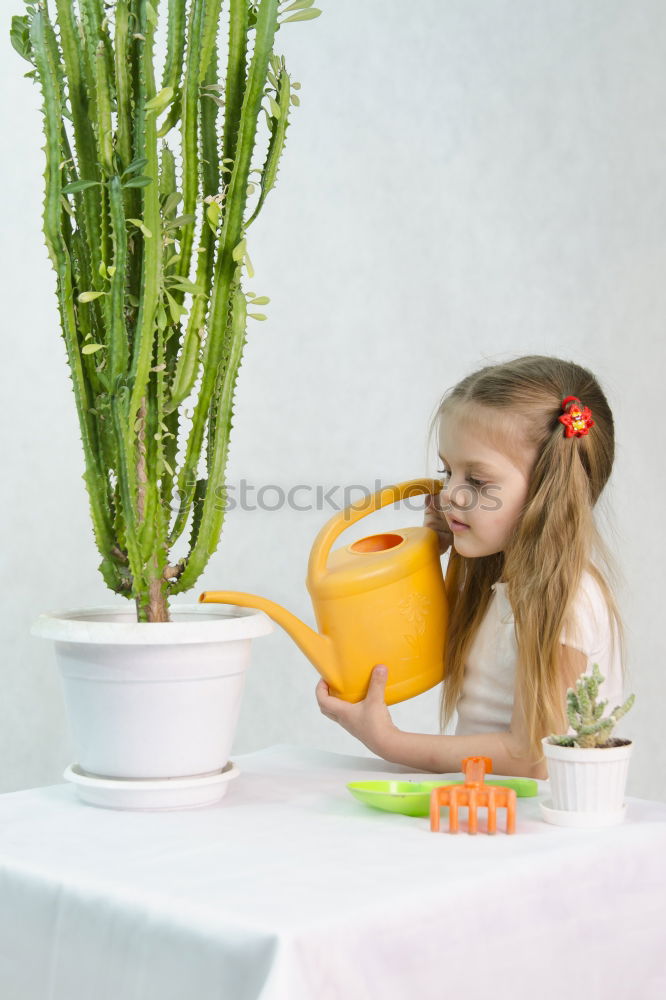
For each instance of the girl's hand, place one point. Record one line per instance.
(434, 518)
(368, 720)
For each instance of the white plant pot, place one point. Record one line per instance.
(153, 700)
(588, 780)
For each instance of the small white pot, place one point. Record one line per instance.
(153, 699)
(588, 779)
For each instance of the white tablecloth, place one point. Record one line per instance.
(290, 889)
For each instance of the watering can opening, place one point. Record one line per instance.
(376, 543)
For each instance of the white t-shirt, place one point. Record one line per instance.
(486, 702)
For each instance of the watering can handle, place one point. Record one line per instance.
(337, 524)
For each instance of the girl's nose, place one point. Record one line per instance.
(457, 496)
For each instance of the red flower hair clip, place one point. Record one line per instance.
(577, 419)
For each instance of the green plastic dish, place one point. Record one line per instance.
(412, 798)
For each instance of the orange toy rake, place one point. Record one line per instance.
(474, 793)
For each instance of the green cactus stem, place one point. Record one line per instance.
(126, 223)
(585, 714)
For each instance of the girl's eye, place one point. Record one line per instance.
(476, 482)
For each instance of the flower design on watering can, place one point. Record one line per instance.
(415, 608)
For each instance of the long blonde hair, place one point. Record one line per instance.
(516, 406)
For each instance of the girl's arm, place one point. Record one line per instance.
(509, 751)
(444, 754)
(370, 722)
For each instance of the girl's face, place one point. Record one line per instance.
(483, 488)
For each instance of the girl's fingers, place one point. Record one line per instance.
(327, 701)
(444, 535)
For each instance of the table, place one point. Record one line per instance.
(290, 889)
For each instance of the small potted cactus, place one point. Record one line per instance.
(588, 768)
(146, 213)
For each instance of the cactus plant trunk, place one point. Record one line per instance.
(153, 606)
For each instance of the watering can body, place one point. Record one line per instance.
(381, 599)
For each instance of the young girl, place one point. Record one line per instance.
(526, 450)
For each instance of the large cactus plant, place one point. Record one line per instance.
(585, 714)
(140, 328)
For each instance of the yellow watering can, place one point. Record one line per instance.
(379, 600)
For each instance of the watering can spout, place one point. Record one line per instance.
(319, 649)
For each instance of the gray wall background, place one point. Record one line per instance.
(463, 182)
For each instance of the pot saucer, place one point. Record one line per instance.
(151, 793)
(569, 817)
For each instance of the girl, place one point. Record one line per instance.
(526, 448)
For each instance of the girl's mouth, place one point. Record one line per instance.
(458, 525)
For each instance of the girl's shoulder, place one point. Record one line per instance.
(593, 630)
(588, 625)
